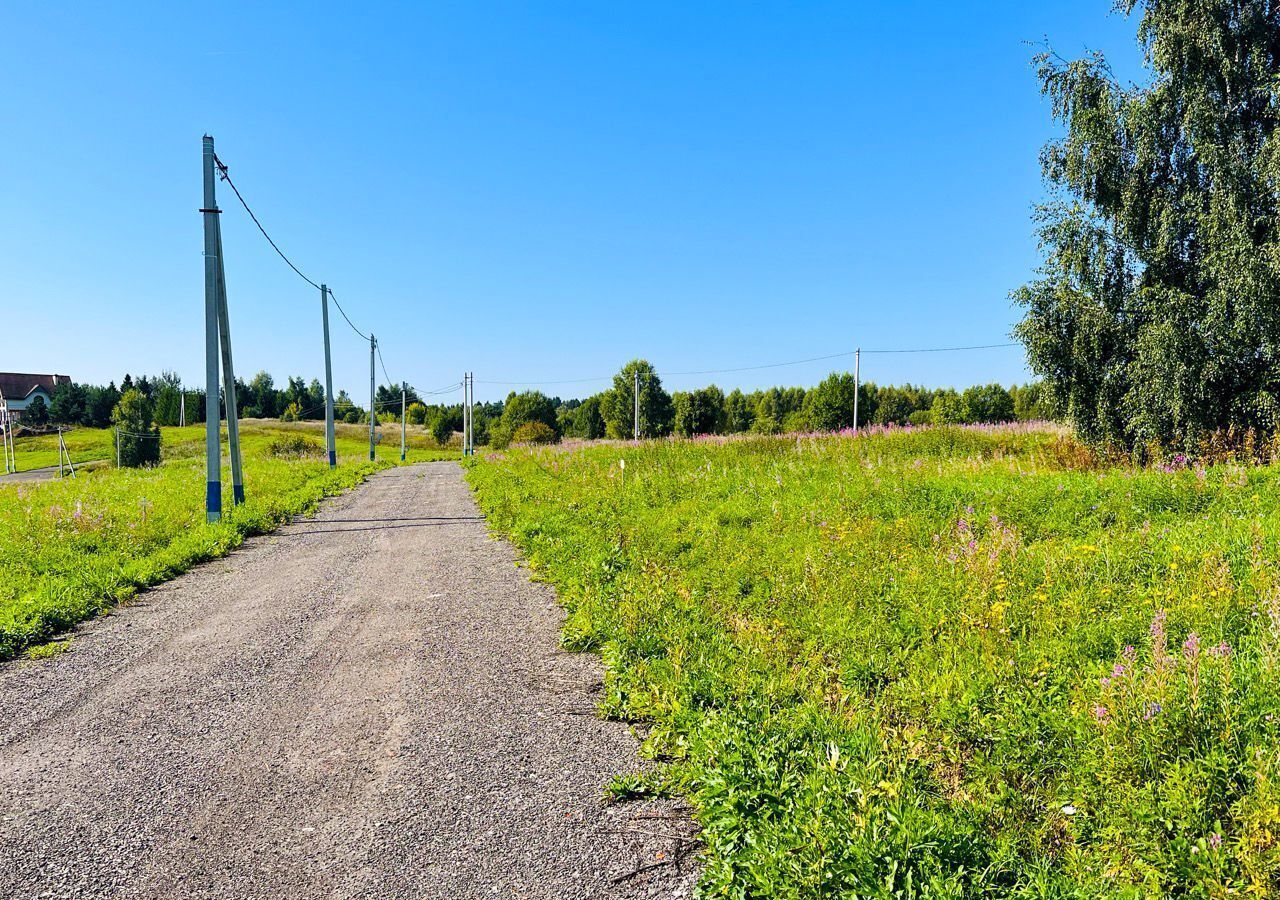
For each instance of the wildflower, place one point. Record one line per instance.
(1222, 651)
(1191, 646)
(1153, 710)
(1100, 713)
(1069, 810)
(1215, 840)
(1118, 670)
(1105, 682)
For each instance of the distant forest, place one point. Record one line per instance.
(829, 406)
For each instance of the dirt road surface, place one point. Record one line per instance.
(370, 703)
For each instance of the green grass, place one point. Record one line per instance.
(930, 664)
(74, 547)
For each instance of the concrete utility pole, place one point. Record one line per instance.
(635, 390)
(857, 384)
(466, 414)
(229, 379)
(330, 442)
(182, 409)
(471, 414)
(373, 350)
(212, 443)
(403, 419)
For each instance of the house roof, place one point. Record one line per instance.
(20, 385)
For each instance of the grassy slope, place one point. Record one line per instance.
(930, 664)
(74, 547)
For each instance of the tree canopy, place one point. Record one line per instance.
(1156, 316)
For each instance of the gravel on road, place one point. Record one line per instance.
(368, 703)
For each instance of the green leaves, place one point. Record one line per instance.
(1156, 318)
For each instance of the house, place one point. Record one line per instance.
(18, 389)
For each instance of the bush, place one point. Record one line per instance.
(500, 436)
(36, 414)
(138, 437)
(296, 446)
(416, 414)
(442, 430)
(535, 433)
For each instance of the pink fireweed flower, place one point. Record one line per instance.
(1191, 646)
(1153, 710)
(1215, 840)
(1100, 713)
(1105, 682)
(1222, 651)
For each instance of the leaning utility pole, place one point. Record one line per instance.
(229, 379)
(635, 390)
(403, 420)
(212, 443)
(329, 440)
(373, 350)
(857, 384)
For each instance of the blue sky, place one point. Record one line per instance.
(533, 191)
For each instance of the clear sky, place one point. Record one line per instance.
(535, 191)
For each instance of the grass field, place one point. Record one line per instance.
(939, 663)
(90, 444)
(74, 547)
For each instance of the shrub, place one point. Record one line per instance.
(416, 414)
(500, 436)
(535, 433)
(295, 446)
(37, 414)
(138, 437)
(442, 430)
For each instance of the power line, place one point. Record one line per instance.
(778, 365)
(226, 176)
(344, 315)
(946, 349)
(378, 347)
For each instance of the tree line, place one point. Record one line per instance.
(531, 416)
(534, 417)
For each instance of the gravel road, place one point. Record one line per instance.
(370, 703)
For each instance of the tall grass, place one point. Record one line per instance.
(948, 663)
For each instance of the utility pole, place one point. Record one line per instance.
(403, 419)
(182, 409)
(10, 443)
(212, 442)
(373, 350)
(118, 451)
(857, 384)
(229, 379)
(635, 390)
(329, 440)
(466, 414)
(4, 432)
(471, 414)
